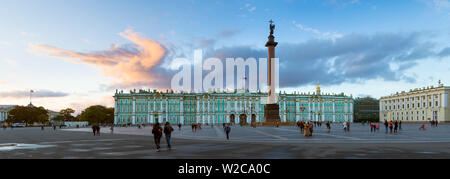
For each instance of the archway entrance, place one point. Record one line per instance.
(243, 119)
(232, 119)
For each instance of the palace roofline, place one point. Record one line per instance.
(418, 91)
(171, 93)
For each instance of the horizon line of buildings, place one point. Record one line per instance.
(241, 106)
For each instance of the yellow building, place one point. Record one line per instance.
(418, 105)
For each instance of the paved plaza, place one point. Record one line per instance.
(245, 142)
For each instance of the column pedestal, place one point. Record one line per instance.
(271, 114)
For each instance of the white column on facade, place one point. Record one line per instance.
(228, 110)
(297, 109)
(133, 117)
(209, 111)
(236, 117)
(116, 111)
(334, 112)
(444, 100)
(167, 109)
(181, 111)
(197, 117)
(148, 111)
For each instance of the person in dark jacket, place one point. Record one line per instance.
(94, 129)
(395, 126)
(157, 133)
(97, 128)
(227, 131)
(168, 132)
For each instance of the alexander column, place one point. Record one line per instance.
(271, 109)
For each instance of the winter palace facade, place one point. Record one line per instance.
(145, 107)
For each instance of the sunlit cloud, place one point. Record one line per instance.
(130, 65)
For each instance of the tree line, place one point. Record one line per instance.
(96, 114)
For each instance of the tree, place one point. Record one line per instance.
(97, 114)
(66, 114)
(58, 118)
(27, 115)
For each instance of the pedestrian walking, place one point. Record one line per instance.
(348, 126)
(344, 126)
(168, 132)
(328, 126)
(179, 126)
(386, 125)
(302, 126)
(395, 126)
(400, 125)
(112, 129)
(94, 129)
(157, 133)
(307, 131)
(227, 131)
(391, 125)
(97, 127)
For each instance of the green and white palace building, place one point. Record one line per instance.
(144, 107)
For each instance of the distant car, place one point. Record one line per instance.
(18, 124)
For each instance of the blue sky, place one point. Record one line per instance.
(349, 34)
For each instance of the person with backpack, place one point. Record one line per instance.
(168, 132)
(227, 131)
(157, 133)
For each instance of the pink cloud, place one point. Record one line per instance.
(134, 65)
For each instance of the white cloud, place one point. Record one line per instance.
(5, 43)
(441, 4)
(326, 35)
(248, 7)
(10, 62)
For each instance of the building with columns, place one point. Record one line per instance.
(4, 110)
(145, 107)
(418, 105)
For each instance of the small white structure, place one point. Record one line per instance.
(74, 124)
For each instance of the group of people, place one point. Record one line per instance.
(374, 127)
(434, 123)
(157, 132)
(396, 125)
(195, 126)
(96, 129)
(346, 126)
(306, 128)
